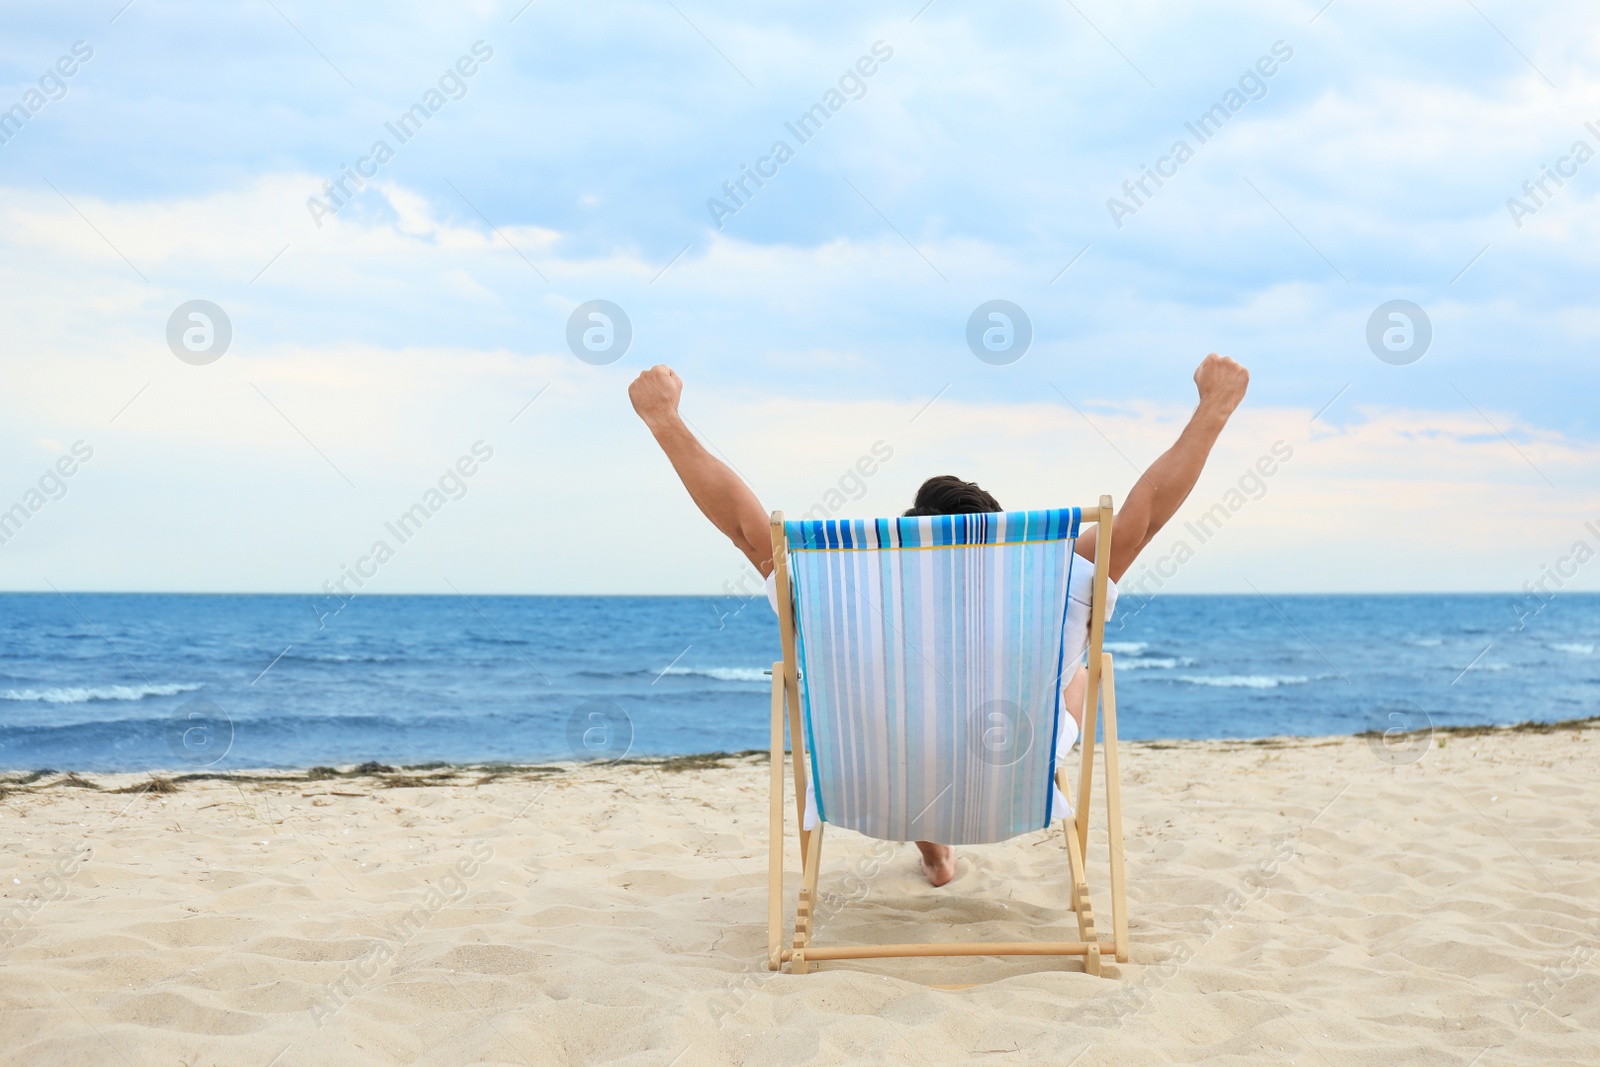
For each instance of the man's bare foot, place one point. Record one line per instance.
(938, 862)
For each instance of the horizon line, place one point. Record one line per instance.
(1126, 592)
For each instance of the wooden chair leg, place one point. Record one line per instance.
(1080, 886)
(1069, 827)
(1097, 632)
(805, 914)
(797, 754)
(1086, 742)
(791, 676)
(775, 828)
(1080, 892)
(1119, 886)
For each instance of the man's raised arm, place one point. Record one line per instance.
(1159, 492)
(720, 494)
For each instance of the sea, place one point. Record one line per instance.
(135, 682)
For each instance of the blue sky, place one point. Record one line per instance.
(372, 351)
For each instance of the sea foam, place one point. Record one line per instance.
(77, 694)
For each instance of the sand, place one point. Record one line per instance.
(1300, 901)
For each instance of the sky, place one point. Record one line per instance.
(1356, 154)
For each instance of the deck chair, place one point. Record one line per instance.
(921, 684)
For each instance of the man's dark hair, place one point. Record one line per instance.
(946, 494)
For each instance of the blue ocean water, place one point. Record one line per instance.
(133, 681)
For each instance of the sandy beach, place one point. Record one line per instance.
(1308, 901)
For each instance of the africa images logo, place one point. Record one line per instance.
(342, 189)
(52, 86)
(1252, 85)
(803, 129)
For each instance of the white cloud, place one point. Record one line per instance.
(405, 328)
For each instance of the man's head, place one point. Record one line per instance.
(948, 495)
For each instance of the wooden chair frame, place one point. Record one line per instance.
(1100, 705)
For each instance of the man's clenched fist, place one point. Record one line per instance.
(655, 394)
(1222, 383)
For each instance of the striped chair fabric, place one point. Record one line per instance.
(930, 652)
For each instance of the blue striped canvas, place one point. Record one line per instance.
(930, 655)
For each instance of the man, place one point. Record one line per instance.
(728, 502)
